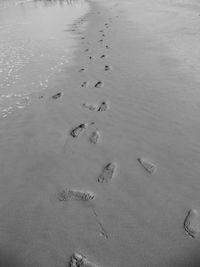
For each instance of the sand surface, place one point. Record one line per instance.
(151, 122)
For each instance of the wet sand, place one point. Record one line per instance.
(138, 217)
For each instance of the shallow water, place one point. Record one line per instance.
(35, 46)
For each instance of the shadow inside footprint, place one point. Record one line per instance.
(107, 68)
(58, 95)
(69, 194)
(103, 56)
(147, 165)
(107, 173)
(103, 106)
(82, 69)
(75, 132)
(192, 223)
(98, 84)
(84, 84)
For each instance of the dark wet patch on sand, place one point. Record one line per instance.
(78, 260)
(75, 132)
(107, 173)
(57, 95)
(147, 165)
(192, 223)
(69, 194)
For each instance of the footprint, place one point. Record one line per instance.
(78, 260)
(86, 50)
(98, 84)
(107, 173)
(84, 84)
(103, 35)
(75, 132)
(107, 68)
(147, 165)
(90, 107)
(94, 138)
(82, 69)
(101, 40)
(91, 57)
(69, 194)
(107, 46)
(82, 38)
(106, 24)
(103, 106)
(103, 56)
(101, 31)
(58, 95)
(192, 223)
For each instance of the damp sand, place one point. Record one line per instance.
(136, 219)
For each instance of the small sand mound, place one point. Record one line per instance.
(78, 260)
(69, 194)
(192, 223)
(147, 165)
(107, 173)
(75, 132)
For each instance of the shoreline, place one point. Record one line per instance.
(122, 198)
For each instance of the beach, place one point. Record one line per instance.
(104, 162)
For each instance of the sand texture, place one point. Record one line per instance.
(102, 167)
